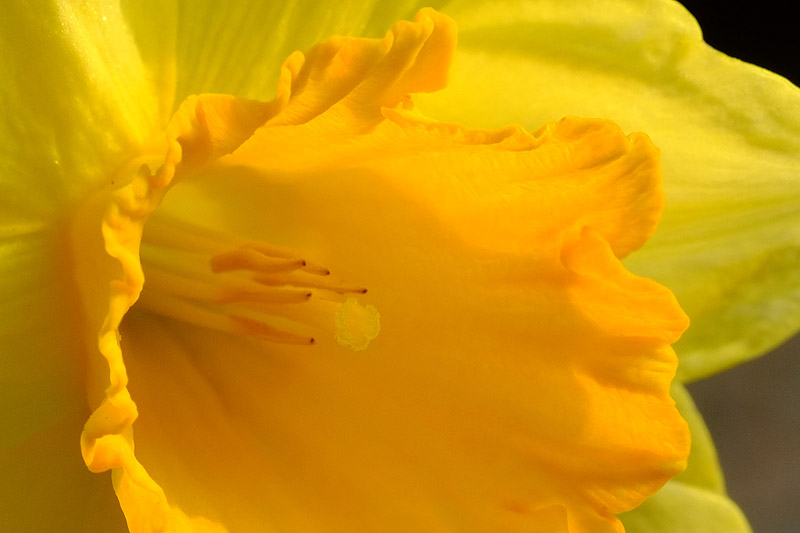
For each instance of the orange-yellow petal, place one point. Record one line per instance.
(520, 380)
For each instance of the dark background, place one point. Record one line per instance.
(765, 32)
(753, 411)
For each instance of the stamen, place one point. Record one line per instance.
(220, 282)
(169, 232)
(249, 259)
(187, 311)
(315, 282)
(280, 296)
(267, 332)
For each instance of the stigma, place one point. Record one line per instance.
(221, 282)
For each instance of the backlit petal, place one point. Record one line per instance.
(63, 135)
(237, 47)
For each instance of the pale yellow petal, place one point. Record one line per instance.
(78, 99)
(237, 47)
(688, 509)
(46, 486)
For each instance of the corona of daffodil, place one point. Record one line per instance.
(273, 285)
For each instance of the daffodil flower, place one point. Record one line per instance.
(330, 312)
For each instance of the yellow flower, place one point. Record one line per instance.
(520, 375)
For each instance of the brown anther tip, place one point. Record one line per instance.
(362, 291)
(312, 340)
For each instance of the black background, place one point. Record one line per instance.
(766, 33)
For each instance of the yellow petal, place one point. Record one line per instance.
(67, 134)
(238, 47)
(686, 508)
(729, 134)
(519, 368)
(46, 486)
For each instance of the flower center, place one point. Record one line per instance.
(219, 281)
